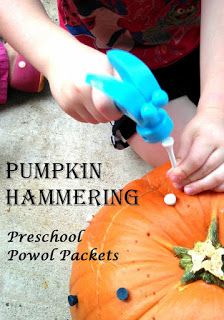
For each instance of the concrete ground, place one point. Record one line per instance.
(34, 129)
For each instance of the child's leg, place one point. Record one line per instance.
(181, 111)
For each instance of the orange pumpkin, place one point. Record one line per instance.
(161, 278)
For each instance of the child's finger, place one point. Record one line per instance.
(197, 156)
(185, 145)
(80, 113)
(105, 106)
(220, 188)
(84, 97)
(213, 162)
(94, 112)
(99, 117)
(213, 181)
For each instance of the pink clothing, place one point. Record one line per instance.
(158, 32)
(4, 73)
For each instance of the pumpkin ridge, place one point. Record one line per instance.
(152, 281)
(200, 197)
(171, 239)
(153, 311)
(169, 284)
(113, 218)
(154, 306)
(183, 219)
(188, 228)
(164, 244)
(99, 265)
(140, 261)
(150, 304)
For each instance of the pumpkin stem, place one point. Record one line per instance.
(206, 260)
(213, 231)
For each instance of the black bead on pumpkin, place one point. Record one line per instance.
(72, 300)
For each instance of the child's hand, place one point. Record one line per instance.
(68, 67)
(201, 155)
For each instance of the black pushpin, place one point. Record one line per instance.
(72, 300)
(122, 294)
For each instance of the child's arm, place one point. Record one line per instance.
(201, 165)
(60, 57)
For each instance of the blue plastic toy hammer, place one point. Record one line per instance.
(137, 95)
